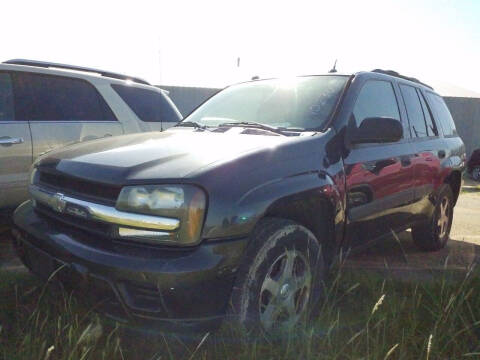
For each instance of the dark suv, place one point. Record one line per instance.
(242, 207)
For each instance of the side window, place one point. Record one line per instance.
(442, 114)
(431, 126)
(376, 99)
(6, 97)
(148, 105)
(41, 97)
(414, 110)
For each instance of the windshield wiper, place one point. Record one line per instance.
(251, 124)
(192, 124)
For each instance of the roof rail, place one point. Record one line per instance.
(396, 74)
(45, 64)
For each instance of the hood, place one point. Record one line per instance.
(171, 154)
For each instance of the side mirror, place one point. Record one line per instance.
(378, 130)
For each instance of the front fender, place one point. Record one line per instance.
(240, 219)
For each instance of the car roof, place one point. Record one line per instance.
(377, 73)
(393, 75)
(92, 75)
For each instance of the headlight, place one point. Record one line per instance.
(184, 202)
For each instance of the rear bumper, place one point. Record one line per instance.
(168, 288)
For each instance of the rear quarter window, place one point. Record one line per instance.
(148, 105)
(441, 114)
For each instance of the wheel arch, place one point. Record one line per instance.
(314, 211)
(316, 204)
(454, 179)
(312, 199)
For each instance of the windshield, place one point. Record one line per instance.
(300, 103)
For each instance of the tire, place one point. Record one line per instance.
(435, 234)
(476, 173)
(281, 278)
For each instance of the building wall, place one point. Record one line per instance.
(465, 111)
(188, 98)
(466, 114)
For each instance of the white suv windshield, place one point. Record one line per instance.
(299, 103)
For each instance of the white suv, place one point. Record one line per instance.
(44, 106)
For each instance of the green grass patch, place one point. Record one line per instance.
(365, 315)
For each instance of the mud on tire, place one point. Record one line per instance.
(281, 278)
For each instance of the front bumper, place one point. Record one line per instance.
(143, 285)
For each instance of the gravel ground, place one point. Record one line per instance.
(397, 254)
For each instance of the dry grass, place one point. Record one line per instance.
(365, 315)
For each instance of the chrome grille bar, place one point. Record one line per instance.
(107, 214)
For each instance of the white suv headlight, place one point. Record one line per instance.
(184, 202)
(33, 175)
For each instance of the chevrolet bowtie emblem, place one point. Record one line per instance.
(58, 202)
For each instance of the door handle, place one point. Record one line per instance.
(11, 141)
(441, 154)
(405, 161)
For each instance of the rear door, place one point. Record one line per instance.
(62, 111)
(429, 149)
(15, 148)
(153, 108)
(379, 177)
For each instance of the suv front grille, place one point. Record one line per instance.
(79, 223)
(106, 194)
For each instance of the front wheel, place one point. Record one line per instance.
(435, 234)
(281, 278)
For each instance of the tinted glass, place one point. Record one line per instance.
(6, 97)
(148, 105)
(301, 103)
(376, 99)
(414, 111)
(56, 98)
(441, 114)
(431, 127)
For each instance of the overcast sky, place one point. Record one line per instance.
(198, 42)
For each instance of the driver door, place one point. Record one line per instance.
(379, 177)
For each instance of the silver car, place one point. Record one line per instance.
(44, 106)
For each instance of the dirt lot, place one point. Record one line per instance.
(397, 255)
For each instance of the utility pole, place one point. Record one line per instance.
(160, 70)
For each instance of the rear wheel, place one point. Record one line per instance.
(476, 173)
(435, 234)
(281, 279)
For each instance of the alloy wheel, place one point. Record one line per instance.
(285, 292)
(443, 221)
